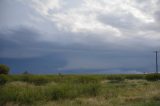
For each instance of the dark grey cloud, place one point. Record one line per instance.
(34, 55)
(43, 64)
(18, 41)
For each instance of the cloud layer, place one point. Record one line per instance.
(85, 34)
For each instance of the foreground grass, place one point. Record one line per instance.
(79, 90)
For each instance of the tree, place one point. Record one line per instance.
(4, 69)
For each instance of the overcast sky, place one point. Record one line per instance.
(79, 36)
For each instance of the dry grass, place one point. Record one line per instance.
(80, 92)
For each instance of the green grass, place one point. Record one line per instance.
(79, 90)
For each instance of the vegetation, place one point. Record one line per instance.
(3, 79)
(152, 77)
(79, 90)
(4, 69)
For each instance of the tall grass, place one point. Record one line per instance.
(29, 89)
(4, 79)
(22, 92)
(152, 77)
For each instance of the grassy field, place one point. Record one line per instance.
(80, 90)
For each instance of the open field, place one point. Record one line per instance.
(79, 90)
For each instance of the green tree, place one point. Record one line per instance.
(4, 69)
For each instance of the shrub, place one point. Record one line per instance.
(40, 81)
(90, 89)
(71, 90)
(24, 78)
(58, 93)
(134, 76)
(152, 77)
(61, 91)
(3, 79)
(86, 79)
(37, 80)
(115, 78)
(20, 92)
(4, 69)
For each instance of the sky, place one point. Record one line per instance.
(79, 36)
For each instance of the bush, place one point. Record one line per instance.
(152, 77)
(115, 78)
(71, 90)
(3, 79)
(86, 79)
(134, 76)
(24, 78)
(4, 69)
(40, 81)
(58, 93)
(61, 91)
(37, 80)
(90, 89)
(20, 92)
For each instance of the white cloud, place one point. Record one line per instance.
(62, 21)
(83, 18)
(45, 6)
(77, 22)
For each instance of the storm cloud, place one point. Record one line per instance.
(100, 36)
